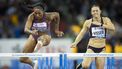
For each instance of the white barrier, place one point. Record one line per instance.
(16, 45)
(70, 55)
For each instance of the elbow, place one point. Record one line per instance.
(113, 29)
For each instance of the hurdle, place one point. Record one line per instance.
(15, 64)
(63, 61)
(66, 60)
(45, 63)
(109, 62)
(51, 63)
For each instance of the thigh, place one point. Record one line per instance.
(89, 51)
(29, 45)
(100, 62)
(87, 60)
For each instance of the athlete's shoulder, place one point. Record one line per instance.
(87, 21)
(106, 18)
(51, 13)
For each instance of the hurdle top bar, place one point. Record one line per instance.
(57, 54)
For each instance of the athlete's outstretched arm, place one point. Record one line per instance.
(56, 18)
(81, 34)
(28, 24)
(108, 24)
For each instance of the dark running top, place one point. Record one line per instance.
(41, 26)
(97, 31)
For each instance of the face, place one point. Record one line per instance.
(38, 13)
(95, 11)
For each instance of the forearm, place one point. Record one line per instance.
(56, 27)
(78, 38)
(28, 24)
(57, 21)
(108, 24)
(109, 27)
(28, 31)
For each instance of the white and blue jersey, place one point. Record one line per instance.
(97, 31)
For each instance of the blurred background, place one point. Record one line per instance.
(73, 13)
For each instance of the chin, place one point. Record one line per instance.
(40, 17)
(95, 16)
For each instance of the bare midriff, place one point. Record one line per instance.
(97, 42)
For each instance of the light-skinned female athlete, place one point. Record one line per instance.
(97, 26)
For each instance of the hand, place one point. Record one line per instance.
(59, 33)
(104, 26)
(34, 32)
(73, 45)
(36, 10)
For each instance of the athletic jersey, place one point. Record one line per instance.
(41, 26)
(97, 31)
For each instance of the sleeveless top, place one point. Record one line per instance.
(97, 31)
(41, 26)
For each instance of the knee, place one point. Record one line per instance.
(85, 66)
(45, 39)
(21, 59)
(46, 42)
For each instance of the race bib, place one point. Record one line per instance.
(40, 26)
(98, 32)
(43, 24)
